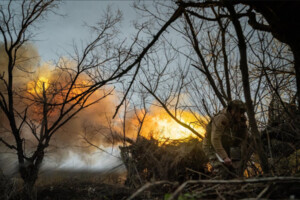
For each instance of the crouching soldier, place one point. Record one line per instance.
(225, 138)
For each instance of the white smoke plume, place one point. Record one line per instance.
(68, 148)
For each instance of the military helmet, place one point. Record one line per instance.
(237, 105)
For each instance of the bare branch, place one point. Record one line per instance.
(148, 185)
(8, 145)
(252, 180)
(171, 115)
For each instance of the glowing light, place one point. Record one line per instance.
(209, 167)
(162, 127)
(38, 86)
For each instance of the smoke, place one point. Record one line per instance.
(27, 59)
(90, 139)
(68, 144)
(95, 161)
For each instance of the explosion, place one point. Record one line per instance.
(92, 122)
(37, 87)
(159, 125)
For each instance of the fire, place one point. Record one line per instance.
(37, 87)
(162, 127)
(158, 124)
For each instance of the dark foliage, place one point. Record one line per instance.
(147, 160)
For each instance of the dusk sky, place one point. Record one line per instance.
(149, 99)
(57, 33)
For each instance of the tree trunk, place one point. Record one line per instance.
(296, 53)
(29, 192)
(246, 86)
(283, 20)
(29, 175)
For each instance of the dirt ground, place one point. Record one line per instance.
(77, 190)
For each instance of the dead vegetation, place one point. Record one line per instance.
(180, 170)
(7, 187)
(176, 169)
(78, 190)
(257, 188)
(147, 160)
(76, 185)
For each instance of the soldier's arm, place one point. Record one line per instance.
(219, 125)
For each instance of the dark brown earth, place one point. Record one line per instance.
(77, 190)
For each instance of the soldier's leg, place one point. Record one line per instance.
(236, 158)
(237, 168)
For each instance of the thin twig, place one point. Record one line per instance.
(148, 185)
(252, 180)
(263, 191)
(200, 173)
(219, 194)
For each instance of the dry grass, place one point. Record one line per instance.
(147, 160)
(8, 187)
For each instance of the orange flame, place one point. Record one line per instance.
(159, 125)
(36, 87)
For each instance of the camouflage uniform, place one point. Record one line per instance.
(225, 137)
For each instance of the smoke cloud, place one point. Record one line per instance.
(69, 144)
(90, 140)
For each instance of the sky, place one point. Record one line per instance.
(54, 38)
(57, 33)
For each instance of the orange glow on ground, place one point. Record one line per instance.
(209, 167)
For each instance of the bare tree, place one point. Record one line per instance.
(44, 107)
(14, 34)
(219, 34)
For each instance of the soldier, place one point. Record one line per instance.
(225, 135)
